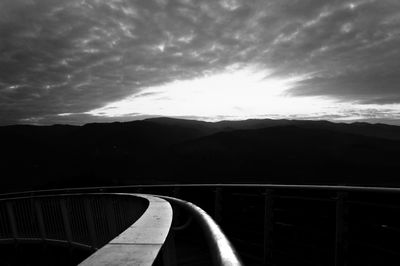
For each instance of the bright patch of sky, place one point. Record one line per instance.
(236, 93)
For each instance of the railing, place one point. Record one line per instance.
(92, 222)
(79, 220)
(294, 224)
(89, 221)
(221, 250)
(141, 242)
(302, 225)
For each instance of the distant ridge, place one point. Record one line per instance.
(178, 150)
(361, 128)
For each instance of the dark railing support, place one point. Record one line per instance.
(176, 192)
(12, 221)
(65, 216)
(39, 218)
(110, 216)
(218, 205)
(268, 226)
(340, 245)
(90, 223)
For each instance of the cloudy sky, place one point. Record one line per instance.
(80, 61)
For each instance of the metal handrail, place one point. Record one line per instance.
(343, 188)
(342, 204)
(141, 242)
(222, 251)
(52, 220)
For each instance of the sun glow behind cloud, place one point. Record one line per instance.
(235, 93)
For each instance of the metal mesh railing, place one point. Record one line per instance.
(88, 221)
(290, 224)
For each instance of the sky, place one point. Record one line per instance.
(81, 61)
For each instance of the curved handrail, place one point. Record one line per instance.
(340, 198)
(344, 188)
(144, 230)
(141, 242)
(222, 251)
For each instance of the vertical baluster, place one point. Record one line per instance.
(268, 226)
(40, 221)
(90, 223)
(30, 227)
(340, 244)
(32, 232)
(19, 214)
(26, 220)
(101, 221)
(12, 220)
(110, 215)
(66, 220)
(81, 220)
(3, 232)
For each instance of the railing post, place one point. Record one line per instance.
(176, 191)
(218, 205)
(340, 244)
(110, 216)
(65, 216)
(39, 218)
(268, 226)
(90, 223)
(12, 221)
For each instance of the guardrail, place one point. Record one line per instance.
(141, 242)
(295, 224)
(90, 221)
(221, 250)
(302, 225)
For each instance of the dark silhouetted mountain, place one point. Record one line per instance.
(291, 154)
(364, 129)
(177, 150)
(359, 128)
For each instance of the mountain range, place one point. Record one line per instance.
(168, 150)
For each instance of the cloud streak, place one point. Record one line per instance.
(76, 56)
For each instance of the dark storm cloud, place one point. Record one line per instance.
(73, 56)
(352, 51)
